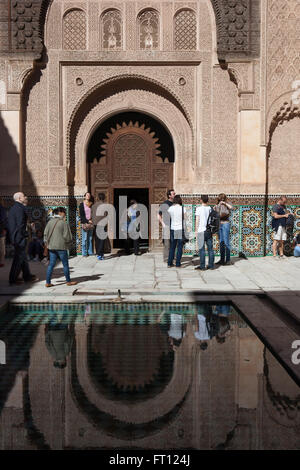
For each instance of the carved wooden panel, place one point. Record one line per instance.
(130, 159)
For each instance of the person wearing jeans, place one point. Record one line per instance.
(204, 236)
(54, 255)
(224, 209)
(175, 241)
(176, 212)
(85, 211)
(58, 236)
(224, 238)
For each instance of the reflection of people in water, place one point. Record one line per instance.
(18, 341)
(58, 339)
(211, 322)
(222, 310)
(224, 329)
(202, 330)
(173, 324)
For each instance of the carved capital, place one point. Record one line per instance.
(18, 71)
(242, 74)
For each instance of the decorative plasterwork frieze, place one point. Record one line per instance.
(234, 20)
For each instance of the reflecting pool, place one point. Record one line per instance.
(142, 376)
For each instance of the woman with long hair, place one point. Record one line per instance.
(224, 210)
(85, 211)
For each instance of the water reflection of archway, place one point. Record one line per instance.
(128, 420)
(129, 363)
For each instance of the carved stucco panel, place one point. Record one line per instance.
(130, 20)
(246, 76)
(168, 76)
(144, 101)
(93, 26)
(36, 136)
(17, 71)
(283, 47)
(167, 28)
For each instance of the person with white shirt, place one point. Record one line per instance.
(176, 212)
(204, 235)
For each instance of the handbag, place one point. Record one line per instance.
(46, 250)
(87, 227)
(185, 238)
(224, 212)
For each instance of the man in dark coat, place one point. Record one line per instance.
(17, 227)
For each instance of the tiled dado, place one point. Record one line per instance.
(247, 220)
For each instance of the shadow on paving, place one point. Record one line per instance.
(275, 318)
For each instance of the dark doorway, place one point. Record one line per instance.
(141, 195)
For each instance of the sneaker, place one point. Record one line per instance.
(170, 265)
(71, 283)
(49, 285)
(100, 258)
(200, 269)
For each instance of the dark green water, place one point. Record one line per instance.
(141, 376)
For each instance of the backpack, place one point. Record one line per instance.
(213, 222)
(290, 221)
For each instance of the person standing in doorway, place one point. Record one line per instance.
(223, 208)
(3, 231)
(58, 237)
(204, 235)
(133, 230)
(164, 220)
(279, 218)
(85, 211)
(17, 227)
(99, 241)
(176, 212)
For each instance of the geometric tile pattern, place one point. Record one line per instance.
(185, 31)
(74, 34)
(246, 229)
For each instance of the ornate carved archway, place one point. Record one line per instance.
(131, 159)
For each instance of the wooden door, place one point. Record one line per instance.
(129, 157)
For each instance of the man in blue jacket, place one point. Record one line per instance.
(17, 227)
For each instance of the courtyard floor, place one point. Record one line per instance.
(149, 274)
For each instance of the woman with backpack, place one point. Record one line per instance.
(223, 208)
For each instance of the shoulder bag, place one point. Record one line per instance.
(185, 238)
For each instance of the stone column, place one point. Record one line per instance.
(12, 76)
